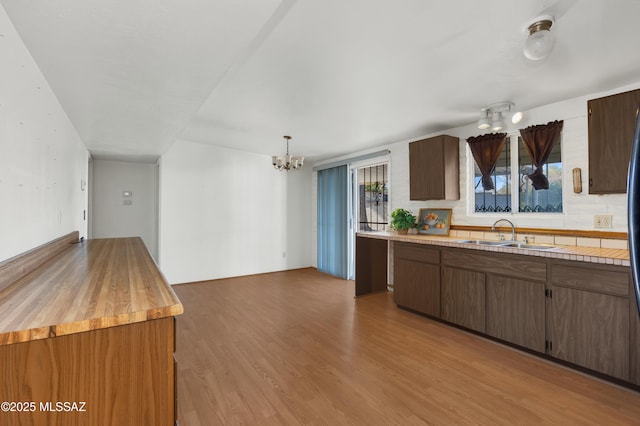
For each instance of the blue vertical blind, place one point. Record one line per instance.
(332, 221)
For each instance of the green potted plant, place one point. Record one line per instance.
(402, 220)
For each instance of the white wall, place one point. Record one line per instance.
(227, 213)
(111, 214)
(579, 209)
(42, 159)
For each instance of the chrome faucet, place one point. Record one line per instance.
(513, 229)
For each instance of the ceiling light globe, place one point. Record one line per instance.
(540, 41)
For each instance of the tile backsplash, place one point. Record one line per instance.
(547, 239)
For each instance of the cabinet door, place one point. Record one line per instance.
(462, 299)
(591, 330)
(516, 311)
(434, 169)
(611, 125)
(417, 286)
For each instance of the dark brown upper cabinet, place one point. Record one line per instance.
(611, 123)
(434, 169)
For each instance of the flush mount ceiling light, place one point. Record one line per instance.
(492, 116)
(540, 41)
(287, 162)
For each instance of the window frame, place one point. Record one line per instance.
(514, 188)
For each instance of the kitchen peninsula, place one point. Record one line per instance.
(88, 337)
(570, 304)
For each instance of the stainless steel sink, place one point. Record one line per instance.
(484, 242)
(529, 246)
(514, 244)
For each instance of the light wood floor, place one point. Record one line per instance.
(296, 348)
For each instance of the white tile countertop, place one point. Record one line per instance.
(609, 256)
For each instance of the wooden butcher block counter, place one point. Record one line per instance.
(87, 336)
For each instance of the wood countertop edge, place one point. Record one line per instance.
(90, 324)
(94, 285)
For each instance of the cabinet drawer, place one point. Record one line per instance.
(518, 266)
(418, 252)
(615, 282)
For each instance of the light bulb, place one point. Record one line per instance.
(540, 41)
(516, 117)
(483, 123)
(496, 122)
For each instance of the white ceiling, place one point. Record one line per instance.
(337, 75)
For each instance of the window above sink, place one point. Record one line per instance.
(512, 187)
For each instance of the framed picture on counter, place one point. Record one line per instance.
(434, 221)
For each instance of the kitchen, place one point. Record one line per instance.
(283, 238)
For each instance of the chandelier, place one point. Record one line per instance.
(287, 162)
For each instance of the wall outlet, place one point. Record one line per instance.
(603, 221)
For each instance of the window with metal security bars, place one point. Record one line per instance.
(497, 200)
(542, 200)
(520, 192)
(373, 197)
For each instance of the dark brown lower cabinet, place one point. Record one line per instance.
(463, 298)
(591, 330)
(590, 324)
(416, 278)
(579, 312)
(516, 311)
(371, 265)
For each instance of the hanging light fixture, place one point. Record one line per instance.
(492, 117)
(287, 162)
(541, 40)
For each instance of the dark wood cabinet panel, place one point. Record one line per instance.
(462, 298)
(498, 263)
(611, 125)
(591, 330)
(516, 311)
(419, 252)
(573, 274)
(590, 320)
(417, 286)
(371, 265)
(434, 169)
